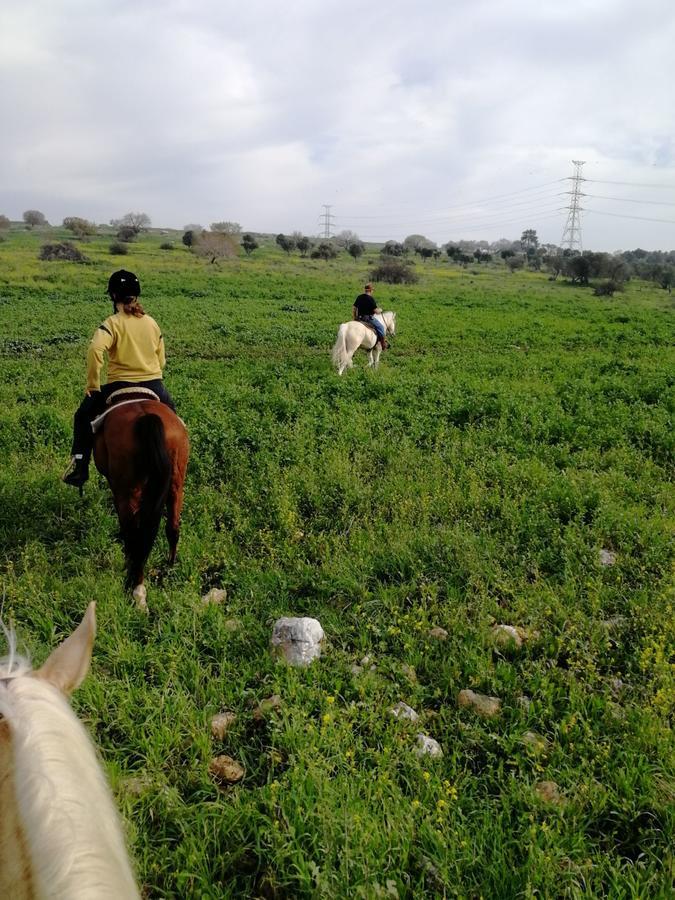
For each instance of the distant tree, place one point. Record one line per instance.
(355, 249)
(324, 250)
(138, 220)
(507, 254)
(214, 245)
(425, 252)
(4, 222)
(304, 245)
(226, 227)
(188, 237)
(578, 269)
(80, 227)
(529, 239)
(452, 251)
(33, 217)
(554, 264)
(414, 241)
(392, 248)
(286, 243)
(482, 256)
(249, 243)
(345, 237)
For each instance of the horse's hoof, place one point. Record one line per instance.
(139, 594)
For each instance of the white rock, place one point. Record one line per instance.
(214, 597)
(297, 640)
(485, 706)
(607, 558)
(427, 746)
(507, 636)
(403, 711)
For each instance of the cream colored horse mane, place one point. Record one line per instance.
(60, 835)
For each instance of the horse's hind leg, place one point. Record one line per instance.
(375, 354)
(174, 506)
(129, 527)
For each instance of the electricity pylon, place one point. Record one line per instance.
(571, 237)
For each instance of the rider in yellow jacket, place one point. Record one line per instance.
(134, 345)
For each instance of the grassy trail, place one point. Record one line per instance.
(517, 428)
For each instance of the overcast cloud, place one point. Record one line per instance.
(405, 117)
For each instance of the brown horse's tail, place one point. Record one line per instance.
(153, 467)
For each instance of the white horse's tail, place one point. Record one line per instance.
(341, 359)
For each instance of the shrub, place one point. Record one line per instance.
(325, 251)
(64, 251)
(167, 245)
(394, 271)
(80, 227)
(117, 248)
(607, 288)
(127, 233)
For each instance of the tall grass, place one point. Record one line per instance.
(515, 429)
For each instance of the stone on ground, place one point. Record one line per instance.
(403, 711)
(537, 743)
(607, 558)
(507, 636)
(549, 792)
(226, 770)
(297, 640)
(438, 633)
(427, 746)
(221, 724)
(265, 707)
(484, 706)
(215, 597)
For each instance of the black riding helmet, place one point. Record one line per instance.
(124, 284)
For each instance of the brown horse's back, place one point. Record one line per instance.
(142, 449)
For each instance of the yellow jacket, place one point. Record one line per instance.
(134, 346)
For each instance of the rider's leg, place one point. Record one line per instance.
(161, 391)
(379, 327)
(83, 440)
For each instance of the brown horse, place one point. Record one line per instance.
(142, 449)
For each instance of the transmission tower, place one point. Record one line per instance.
(327, 221)
(571, 237)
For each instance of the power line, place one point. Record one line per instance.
(598, 212)
(628, 200)
(667, 187)
(534, 187)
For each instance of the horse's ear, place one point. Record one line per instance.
(67, 666)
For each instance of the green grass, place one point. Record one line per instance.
(516, 428)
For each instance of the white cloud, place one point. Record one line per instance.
(209, 110)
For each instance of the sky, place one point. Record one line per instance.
(443, 118)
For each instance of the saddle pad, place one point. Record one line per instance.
(98, 421)
(128, 393)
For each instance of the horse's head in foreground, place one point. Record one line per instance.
(60, 835)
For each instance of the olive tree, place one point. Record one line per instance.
(33, 217)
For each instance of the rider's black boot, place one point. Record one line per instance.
(78, 472)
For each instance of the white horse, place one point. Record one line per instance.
(352, 335)
(60, 835)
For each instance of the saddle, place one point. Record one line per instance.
(121, 398)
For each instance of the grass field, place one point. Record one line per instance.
(516, 428)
